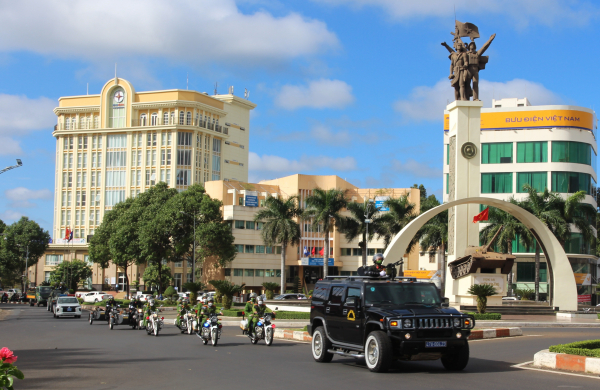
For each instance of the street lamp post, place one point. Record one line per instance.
(367, 222)
(19, 164)
(194, 248)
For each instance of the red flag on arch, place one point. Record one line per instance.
(482, 216)
(67, 233)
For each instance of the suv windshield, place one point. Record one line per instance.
(402, 294)
(45, 290)
(68, 300)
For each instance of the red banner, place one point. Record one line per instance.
(584, 298)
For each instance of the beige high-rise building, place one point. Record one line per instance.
(118, 143)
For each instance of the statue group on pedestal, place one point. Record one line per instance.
(466, 61)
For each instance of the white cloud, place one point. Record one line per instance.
(268, 164)
(196, 31)
(523, 13)
(10, 215)
(428, 103)
(22, 193)
(9, 147)
(322, 93)
(416, 169)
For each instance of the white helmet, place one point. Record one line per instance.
(151, 301)
(260, 302)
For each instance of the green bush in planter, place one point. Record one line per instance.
(485, 316)
(589, 348)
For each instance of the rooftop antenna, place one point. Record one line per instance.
(116, 74)
(187, 81)
(216, 85)
(246, 93)
(87, 89)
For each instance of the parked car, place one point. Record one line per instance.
(184, 295)
(12, 291)
(95, 296)
(289, 297)
(144, 297)
(509, 299)
(81, 294)
(67, 306)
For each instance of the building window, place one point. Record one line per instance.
(537, 180)
(240, 225)
(241, 201)
(249, 272)
(179, 264)
(116, 110)
(184, 157)
(184, 177)
(259, 225)
(143, 119)
(573, 152)
(249, 249)
(154, 119)
(250, 225)
(497, 153)
(346, 251)
(278, 249)
(356, 251)
(447, 154)
(54, 259)
(269, 250)
(431, 258)
(571, 182)
(188, 118)
(165, 119)
(496, 183)
(177, 281)
(184, 139)
(238, 272)
(259, 273)
(240, 248)
(576, 244)
(532, 152)
(260, 249)
(227, 271)
(526, 272)
(47, 276)
(181, 117)
(447, 183)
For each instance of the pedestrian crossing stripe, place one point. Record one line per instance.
(351, 316)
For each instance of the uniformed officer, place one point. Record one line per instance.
(377, 269)
(150, 307)
(248, 307)
(210, 309)
(258, 311)
(182, 308)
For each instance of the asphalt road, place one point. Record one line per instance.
(70, 354)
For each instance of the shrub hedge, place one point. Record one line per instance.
(599, 316)
(232, 313)
(589, 348)
(486, 316)
(292, 315)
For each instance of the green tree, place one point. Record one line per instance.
(169, 293)
(23, 245)
(71, 273)
(355, 225)
(280, 226)
(323, 207)
(227, 290)
(434, 236)
(194, 288)
(482, 291)
(545, 206)
(270, 288)
(401, 213)
(151, 278)
(511, 229)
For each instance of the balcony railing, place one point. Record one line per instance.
(77, 126)
(176, 122)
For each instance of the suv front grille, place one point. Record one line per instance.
(434, 323)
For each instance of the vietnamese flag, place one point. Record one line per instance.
(67, 233)
(482, 216)
(313, 251)
(322, 251)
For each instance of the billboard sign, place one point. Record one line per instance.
(315, 261)
(251, 199)
(379, 201)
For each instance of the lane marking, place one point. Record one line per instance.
(290, 340)
(522, 367)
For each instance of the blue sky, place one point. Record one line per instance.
(355, 88)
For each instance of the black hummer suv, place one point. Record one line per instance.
(383, 319)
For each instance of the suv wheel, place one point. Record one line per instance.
(378, 351)
(456, 361)
(320, 345)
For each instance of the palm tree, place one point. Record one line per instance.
(402, 211)
(280, 226)
(193, 288)
(227, 290)
(270, 287)
(324, 207)
(511, 229)
(482, 291)
(355, 225)
(434, 234)
(545, 206)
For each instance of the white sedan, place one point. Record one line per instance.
(144, 297)
(96, 296)
(67, 306)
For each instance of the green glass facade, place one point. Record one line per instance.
(496, 183)
(573, 152)
(537, 180)
(570, 182)
(532, 152)
(497, 153)
(526, 272)
(447, 183)
(448, 154)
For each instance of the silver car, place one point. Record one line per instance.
(67, 306)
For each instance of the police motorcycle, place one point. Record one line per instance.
(155, 323)
(97, 314)
(118, 317)
(188, 322)
(264, 329)
(211, 329)
(135, 315)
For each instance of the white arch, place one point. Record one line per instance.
(565, 299)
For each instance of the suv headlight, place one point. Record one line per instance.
(456, 322)
(407, 323)
(395, 324)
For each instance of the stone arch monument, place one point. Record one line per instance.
(565, 292)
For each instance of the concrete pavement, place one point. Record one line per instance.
(70, 354)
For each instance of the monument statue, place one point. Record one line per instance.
(466, 61)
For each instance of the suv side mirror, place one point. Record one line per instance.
(352, 301)
(445, 302)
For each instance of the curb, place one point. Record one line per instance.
(563, 361)
(475, 335)
(521, 324)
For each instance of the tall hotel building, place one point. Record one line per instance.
(120, 142)
(552, 147)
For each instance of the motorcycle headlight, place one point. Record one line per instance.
(456, 322)
(407, 323)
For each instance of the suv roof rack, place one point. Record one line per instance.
(399, 278)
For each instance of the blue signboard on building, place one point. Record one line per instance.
(251, 201)
(319, 261)
(379, 201)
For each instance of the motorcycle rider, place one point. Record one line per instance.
(185, 306)
(209, 309)
(258, 310)
(199, 308)
(150, 307)
(248, 308)
(110, 305)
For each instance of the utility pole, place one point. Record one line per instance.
(19, 164)
(367, 222)
(194, 247)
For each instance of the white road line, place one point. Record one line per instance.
(290, 340)
(522, 367)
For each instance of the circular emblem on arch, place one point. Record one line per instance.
(119, 96)
(468, 150)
